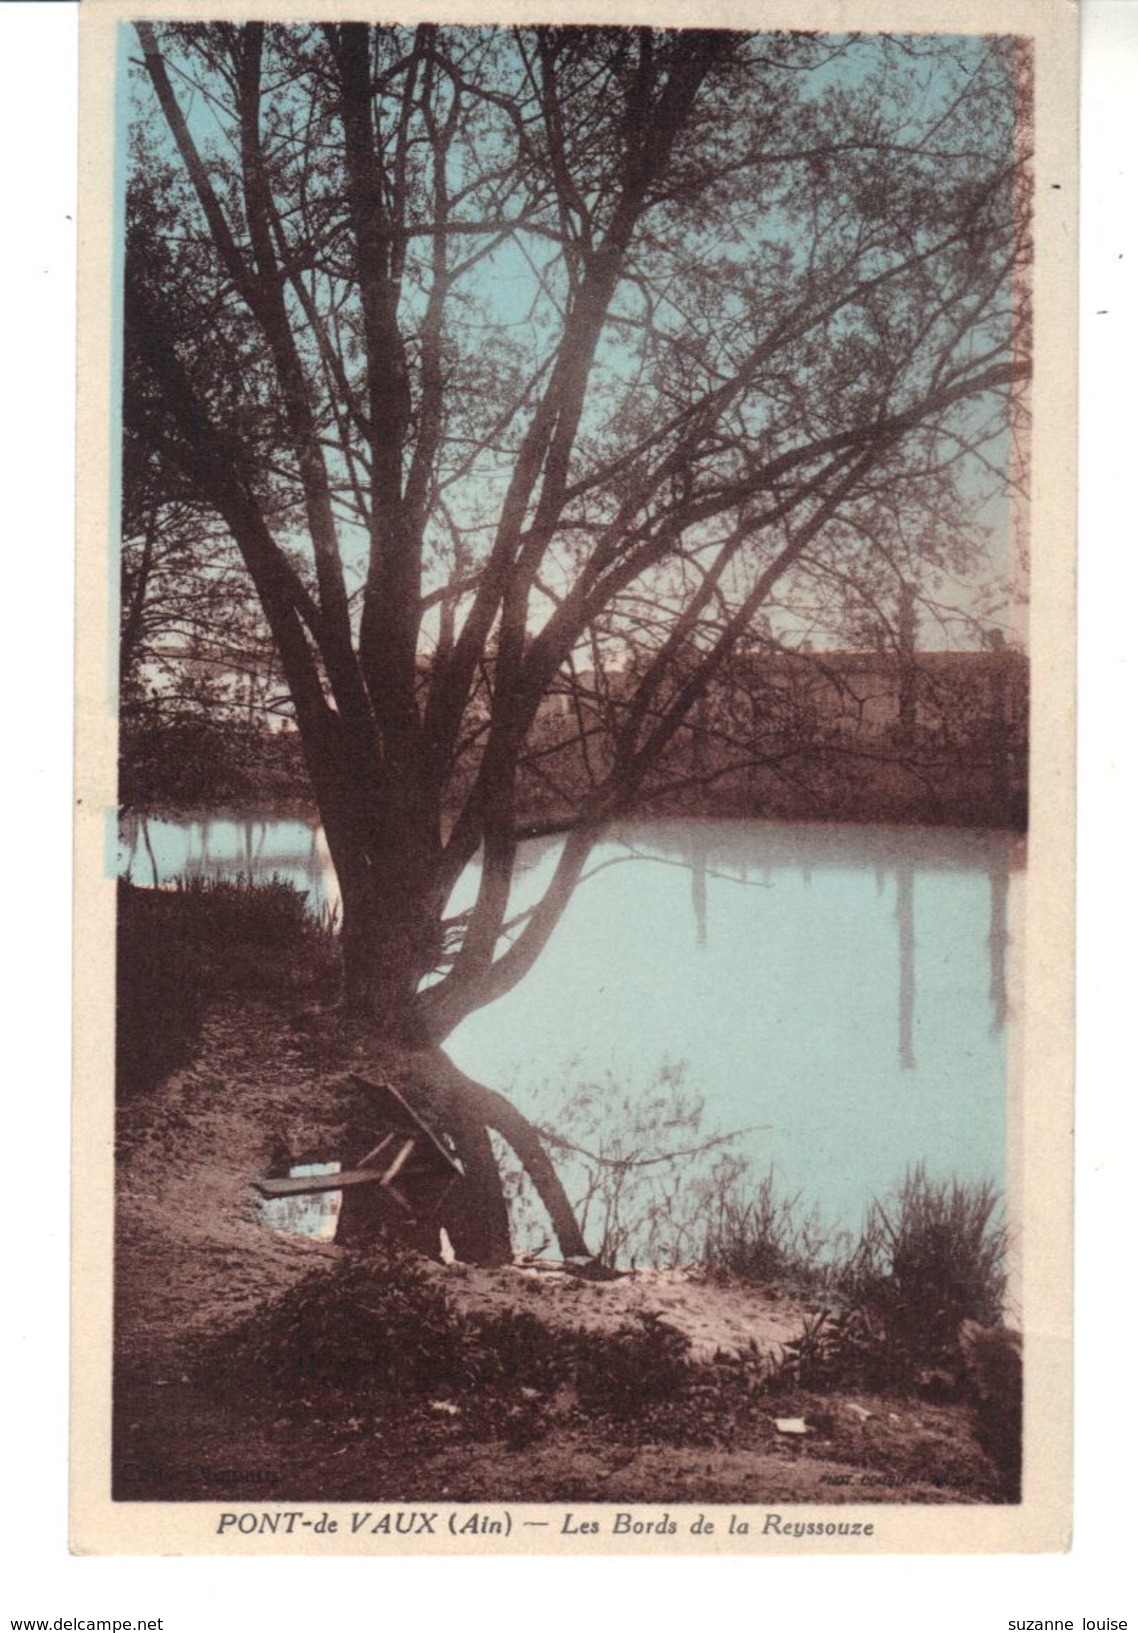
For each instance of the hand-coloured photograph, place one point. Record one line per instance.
(574, 781)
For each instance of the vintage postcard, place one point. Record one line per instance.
(574, 830)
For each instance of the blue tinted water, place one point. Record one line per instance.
(845, 988)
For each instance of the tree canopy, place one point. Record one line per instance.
(531, 362)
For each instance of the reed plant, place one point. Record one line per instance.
(887, 1305)
(756, 1234)
(930, 1259)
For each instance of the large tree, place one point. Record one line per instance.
(532, 363)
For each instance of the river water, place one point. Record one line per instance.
(839, 993)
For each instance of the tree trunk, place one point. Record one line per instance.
(390, 931)
(381, 976)
(389, 936)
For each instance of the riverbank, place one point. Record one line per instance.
(246, 1367)
(252, 1363)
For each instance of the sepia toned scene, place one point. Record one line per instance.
(573, 703)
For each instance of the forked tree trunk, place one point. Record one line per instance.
(475, 1215)
(474, 1212)
(393, 898)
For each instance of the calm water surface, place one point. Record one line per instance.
(843, 987)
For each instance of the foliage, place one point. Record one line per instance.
(643, 1364)
(652, 1186)
(758, 1235)
(376, 1316)
(894, 1305)
(993, 1367)
(192, 757)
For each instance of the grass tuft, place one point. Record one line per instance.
(891, 1305)
(756, 1235)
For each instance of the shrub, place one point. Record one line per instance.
(925, 1264)
(181, 949)
(643, 1364)
(376, 1319)
(646, 1178)
(993, 1367)
(890, 1302)
(933, 1259)
(379, 1321)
